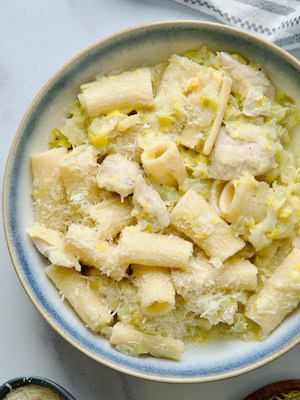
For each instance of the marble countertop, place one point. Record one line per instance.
(36, 38)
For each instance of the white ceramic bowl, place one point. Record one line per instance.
(147, 44)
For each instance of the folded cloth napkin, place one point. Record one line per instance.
(276, 20)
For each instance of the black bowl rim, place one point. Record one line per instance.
(36, 380)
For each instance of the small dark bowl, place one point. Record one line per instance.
(36, 380)
(276, 389)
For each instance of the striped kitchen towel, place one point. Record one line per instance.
(276, 20)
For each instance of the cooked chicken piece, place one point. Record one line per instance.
(117, 174)
(252, 85)
(239, 150)
(146, 198)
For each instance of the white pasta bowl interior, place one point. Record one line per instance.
(141, 46)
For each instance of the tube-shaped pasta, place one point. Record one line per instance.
(287, 275)
(154, 250)
(269, 307)
(156, 292)
(279, 296)
(236, 274)
(48, 191)
(78, 170)
(129, 90)
(127, 339)
(50, 243)
(164, 163)
(85, 244)
(246, 252)
(194, 217)
(244, 197)
(200, 276)
(215, 193)
(86, 302)
(111, 216)
(224, 97)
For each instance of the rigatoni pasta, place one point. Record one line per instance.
(287, 276)
(48, 191)
(237, 274)
(93, 251)
(269, 307)
(86, 302)
(195, 218)
(244, 197)
(169, 204)
(163, 162)
(215, 193)
(110, 216)
(50, 243)
(78, 171)
(201, 276)
(136, 342)
(128, 90)
(156, 292)
(279, 296)
(154, 250)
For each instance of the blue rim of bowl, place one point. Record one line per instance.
(15, 383)
(17, 266)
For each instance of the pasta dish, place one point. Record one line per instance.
(168, 204)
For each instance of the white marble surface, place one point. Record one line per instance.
(36, 38)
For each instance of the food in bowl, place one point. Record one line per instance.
(32, 392)
(33, 388)
(168, 204)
